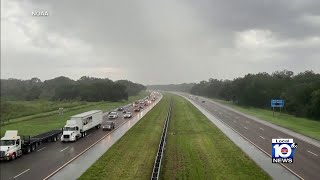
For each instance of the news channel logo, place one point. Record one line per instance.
(283, 150)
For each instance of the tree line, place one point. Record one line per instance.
(301, 92)
(184, 87)
(63, 88)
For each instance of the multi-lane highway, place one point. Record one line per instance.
(306, 158)
(51, 156)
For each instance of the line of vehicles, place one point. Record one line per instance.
(13, 145)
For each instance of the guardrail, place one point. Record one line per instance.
(162, 144)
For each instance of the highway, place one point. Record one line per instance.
(51, 156)
(306, 158)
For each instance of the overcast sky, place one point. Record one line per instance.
(158, 42)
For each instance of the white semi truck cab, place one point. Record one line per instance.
(10, 145)
(78, 125)
(71, 131)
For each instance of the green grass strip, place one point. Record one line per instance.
(197, 149)
(300, 125)
(132, 157)
(47, 122)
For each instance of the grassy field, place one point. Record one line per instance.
(17, 109)
(39, 123)
(197, 149)
(132, 157)
(303, 126)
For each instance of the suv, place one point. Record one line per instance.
(108, 125)
(113, 115)
(120, 109)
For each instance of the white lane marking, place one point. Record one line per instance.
(254, 144)
(312, 153)
(262, 137)
(64, 165)
(245, 127)
(88, 135)
(42, 149)
(21, 173)
(64, 149)
(261, 129)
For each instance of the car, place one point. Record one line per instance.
(141, 107)
(128, 114)
(113, 115)
(136, 109)
(108, 125)
(203, 101)
(120, 109)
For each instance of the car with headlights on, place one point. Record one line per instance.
(113, 115)
(128, 114)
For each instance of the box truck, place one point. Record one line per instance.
(12, 145)
(78, 125)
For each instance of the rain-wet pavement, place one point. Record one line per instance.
(81, 164)
(50, 156)
(241, 129)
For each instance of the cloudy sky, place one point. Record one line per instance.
(158, 42)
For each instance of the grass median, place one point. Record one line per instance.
(300, 125)
(43, 122)
(132, 157)
(197, 149)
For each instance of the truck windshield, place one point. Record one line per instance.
(69, 128)
(7, 142)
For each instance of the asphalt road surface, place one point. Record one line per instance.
(306, 158)
(50, 156)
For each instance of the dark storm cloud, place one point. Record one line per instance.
(156, 42)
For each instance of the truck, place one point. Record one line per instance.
(12, 145)
(79, 124)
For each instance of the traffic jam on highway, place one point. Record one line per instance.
(78, 127)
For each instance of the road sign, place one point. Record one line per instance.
(277, 103)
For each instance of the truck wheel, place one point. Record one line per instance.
(54, 139)
(33, 147)
(13, 157)
(28, 149)
(85, 133)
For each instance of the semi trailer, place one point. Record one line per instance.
(78, 125)
(12, 145)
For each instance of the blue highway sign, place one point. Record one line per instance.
(277, 103)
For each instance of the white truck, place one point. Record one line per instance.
(12, 145)
(78, 125)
